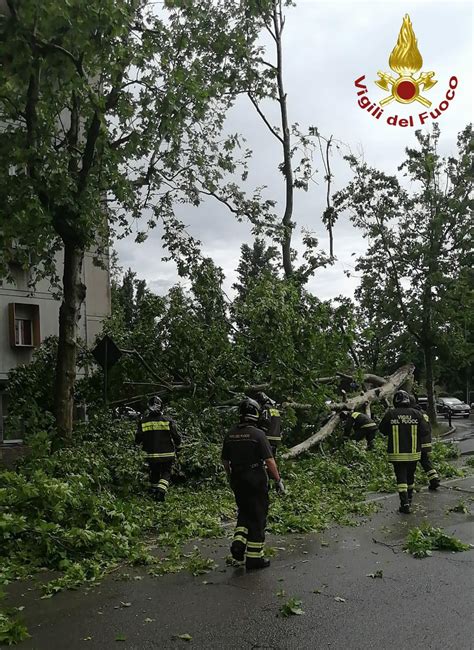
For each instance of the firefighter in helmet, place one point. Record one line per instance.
(425, 460)
(358, 425)
(406, 430)
(269, 421)
(247, 457)
(159, 438)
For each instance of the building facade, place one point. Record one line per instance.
(29, 316)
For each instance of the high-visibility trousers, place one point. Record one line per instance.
(427, 465)
(160, 476)
(251, 495)
(405, 473)
(368, 433)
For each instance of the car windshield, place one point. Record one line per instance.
(452, 400)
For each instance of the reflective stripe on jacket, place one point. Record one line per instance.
(270, 424)
(158, 436)
(405, 429)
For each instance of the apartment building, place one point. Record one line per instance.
(27, 317)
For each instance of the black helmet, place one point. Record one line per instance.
(262, 398)
(401, 398)
(249, 409)
(412, 400)
(155, 404)
(344, 415)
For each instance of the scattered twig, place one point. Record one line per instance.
(390, 546)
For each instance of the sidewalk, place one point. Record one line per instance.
(418, 604)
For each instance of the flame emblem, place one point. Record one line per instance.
(406, 61)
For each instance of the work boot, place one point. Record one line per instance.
(434, 484)
(237, 550)
(404, 508)
(257, 563)
(159, 495)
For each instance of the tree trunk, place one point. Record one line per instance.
(74, 293)
(429, 383)
(375, 395)
(287, 222)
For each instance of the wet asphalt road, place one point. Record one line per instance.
(464, 434)
(417, 604)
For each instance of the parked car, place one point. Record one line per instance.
(423, 402)
(453, 404)
(126, 413)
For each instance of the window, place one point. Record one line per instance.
(24, 325)
(23, 332)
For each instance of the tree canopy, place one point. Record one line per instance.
(416, 269)
(111, 113)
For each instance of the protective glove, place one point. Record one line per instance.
(280, 487)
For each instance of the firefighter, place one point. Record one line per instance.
(425, 460)
(269, 421)
(406, 429)
(247, 456)
(362, 425)
(159, 437)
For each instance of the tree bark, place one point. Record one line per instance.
(429, 383)
(375, 380)
(392, 384)
(74, 293)
(287, 223)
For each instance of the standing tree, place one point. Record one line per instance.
(109, 112)
(255, 262)
(265, 81)
(419, 238)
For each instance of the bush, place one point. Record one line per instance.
(12, 630)
(82, 504)
(30, 392)
(422, 541)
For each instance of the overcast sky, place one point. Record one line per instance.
(327, 46)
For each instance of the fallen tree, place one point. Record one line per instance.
(392, 383)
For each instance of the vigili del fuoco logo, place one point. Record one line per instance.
(405, 88)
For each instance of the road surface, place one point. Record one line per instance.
(416, 604)
(464, 434)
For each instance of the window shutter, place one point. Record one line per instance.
(36, 326)
(11, 323)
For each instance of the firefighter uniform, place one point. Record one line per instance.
(245, 449)
(426, 447)
(363, 427)
(406, 430)
(270, 424)
(159, 437)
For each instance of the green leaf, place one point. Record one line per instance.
(291, 608)
(420, 542)
(376, 574)
(12, 631)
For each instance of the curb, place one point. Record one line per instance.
(450, 432)
(424, 488)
